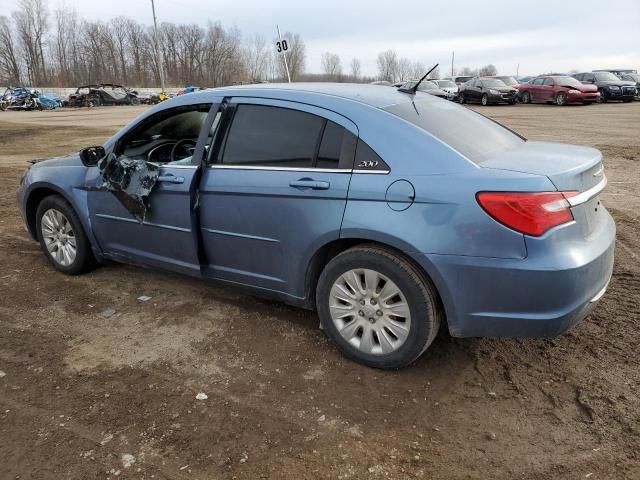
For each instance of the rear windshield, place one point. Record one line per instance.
(473, 135)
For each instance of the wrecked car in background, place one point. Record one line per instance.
(102, 94)
(390, 212)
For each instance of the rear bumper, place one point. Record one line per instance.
(542, 295)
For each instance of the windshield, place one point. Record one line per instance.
(508, 80)
(493, 82)
(463, 79)
(605, 77)
(446, 83)
(567, 82)
(473, 135)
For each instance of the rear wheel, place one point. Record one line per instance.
(526, 97)
(62, 238)
(485, 99)
(561, 99)
(378, 309)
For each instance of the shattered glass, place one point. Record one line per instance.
(131, 181)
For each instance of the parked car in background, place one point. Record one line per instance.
(632, 77)
(102, 94)
(448, 86)
(560, 90)
(618, 71)
(384, 83)
(319, 195)
(460, 80)
(508, 80)
(430, 87)
(526, 79)
(487, 91)
(609, 86)
(187, 90)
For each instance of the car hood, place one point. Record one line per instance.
(71, 160)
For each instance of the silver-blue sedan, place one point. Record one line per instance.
(388, 212)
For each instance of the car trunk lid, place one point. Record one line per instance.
(569, 167)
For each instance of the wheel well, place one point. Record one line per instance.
(31, 208)
(327, 252)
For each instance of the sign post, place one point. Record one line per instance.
(282, 46)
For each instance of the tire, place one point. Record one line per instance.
(526, 97)
(134, 101)
(361, 317)
(603, 97)
(484, 99)
(461, 99)
(59, 220)
(627, 100)
(561, 99)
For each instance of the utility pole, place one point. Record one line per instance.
(156, 46)
(284, 54)
(453, 56)
(517, 71)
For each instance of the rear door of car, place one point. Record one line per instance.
(274, 191)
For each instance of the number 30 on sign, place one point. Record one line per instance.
(282, 45)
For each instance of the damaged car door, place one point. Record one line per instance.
(143, 211)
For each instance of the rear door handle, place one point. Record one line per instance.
(309, 183)
(170, 179)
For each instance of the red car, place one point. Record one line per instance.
(559, 89)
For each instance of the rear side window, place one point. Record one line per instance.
(548, 81)
(473, 135)
(331, 146)
(272, 136)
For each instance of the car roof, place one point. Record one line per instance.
(378, 96)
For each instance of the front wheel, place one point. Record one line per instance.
(62, 238)
(378, 309)
(485, 99)
(603, 97)
(561, 99)
(526, 97)
(461, 99)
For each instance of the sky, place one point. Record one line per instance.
(538, 35)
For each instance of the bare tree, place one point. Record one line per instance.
(257, 59)
(418, 70)
(388, 66)
(31, 27)
(404, 69)
(488, 70)
(434, 74)
(9, 66)
(331, 65)
(355, 68)
(296, 56)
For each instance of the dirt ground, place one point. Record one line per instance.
(86, 395)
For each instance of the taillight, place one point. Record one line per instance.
(529, 213)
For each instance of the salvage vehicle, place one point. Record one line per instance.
(390, 212)
(632, 77)
(609, 86)
(448, 86)
(429, 87)
(487, 91)
(561, 90)
(102, 94)
(20, 98)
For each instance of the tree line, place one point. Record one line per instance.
(39, 47)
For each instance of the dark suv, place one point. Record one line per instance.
(609, 86)
(632, 77)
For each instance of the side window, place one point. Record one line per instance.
(538, 81)
(367, 159)
(579, 76)
(272, 136)
(548, 81)
(331, 146)
(589, 78)
(154, 139)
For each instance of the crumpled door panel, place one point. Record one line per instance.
(131, 181)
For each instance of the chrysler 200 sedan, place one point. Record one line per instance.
(390, 213)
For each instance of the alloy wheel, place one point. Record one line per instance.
(370, 311)
(59, 237)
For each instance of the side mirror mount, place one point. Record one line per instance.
(90, 156)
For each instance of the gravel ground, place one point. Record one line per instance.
(97, 384)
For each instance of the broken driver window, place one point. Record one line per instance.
(167, 138)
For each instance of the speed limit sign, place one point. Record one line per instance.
(282, 45)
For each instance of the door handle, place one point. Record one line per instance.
(170, 179)
(309, 183)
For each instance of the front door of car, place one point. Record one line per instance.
(274, 192)
(546, 90)
(166, 238)
(475, 89)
